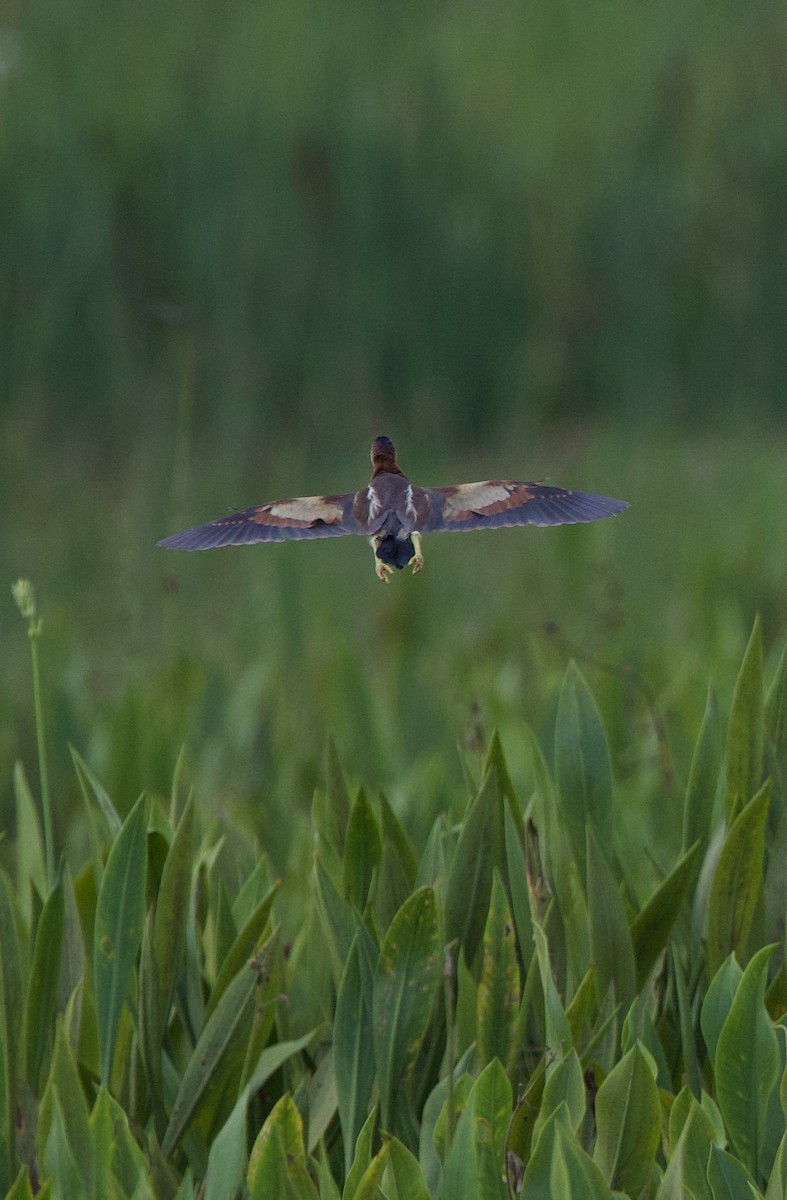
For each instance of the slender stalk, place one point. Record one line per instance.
(448, 991)
(25, 598)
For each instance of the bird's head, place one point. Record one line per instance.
(383, 452)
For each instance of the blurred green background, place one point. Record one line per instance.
(237, 242)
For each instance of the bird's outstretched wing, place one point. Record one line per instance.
(495, 502)
(300, 517)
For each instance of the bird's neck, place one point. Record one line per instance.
(385, 466)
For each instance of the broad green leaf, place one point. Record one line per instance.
(172, 911)
(408, 974)
(119, 1160)
(521, 1129)
(41, 1001)
(475, 1162)
(337, 916)
(565, 1084)
(277, 1165)
(559, 1168)
(737, 882)
(498, 988)
(691, 1065)
(728, 1178)
(691, 1140)
(21, 1189)
(65, 1087)
(703, 777)
(746, 731)
(246, 944)
(58, 1161)
(653, 924)
(777, 1184)
(394, 833)
(747, 1064)
(481, 847)
(120, 913)
(219, 1052)
(583, 770)
(718, 1002)
(369, 1185)
(362, 851)
(408, 1181)
(326, 1184)
(362, 1156)
(558, 1031)
(88, 780)
(431, 869)
(628, 1123)
(227, 1159)
(353, 1040)
(610, 939)
(516, 869)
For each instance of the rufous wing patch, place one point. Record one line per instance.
(483, 499)
(301, 511)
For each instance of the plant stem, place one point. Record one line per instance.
(25, 599)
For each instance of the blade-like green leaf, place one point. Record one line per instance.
(408, 1178)
(243, 948)
(498, 988)
(747, 1064)
(558, 1031)
(728, 1178)
(610, 939)
(220, 1050)
(30, 856)
(337, 917)
(406, 980)
(737, 882)
(59, 1164)
(474, 1166)
(565, 1085)
(172, 910)
(362, 850)
(703, 777)
(481, 847)
(362, 1156)
(227, 1159)
(718, 1002)
(628, 1123)
(65, 1087)
(353, 1040)
(583, 770)
(746, 731)
(120, 913)
(653, 924)
(41, 1001)
(277, 1166)
(11, 1003)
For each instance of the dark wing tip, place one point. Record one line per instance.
(559, 506)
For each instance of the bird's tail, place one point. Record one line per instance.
(395, 551)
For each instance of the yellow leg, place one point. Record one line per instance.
(381, 569)
(417, 561)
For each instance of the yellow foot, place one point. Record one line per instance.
(417, 561)
(382, 570)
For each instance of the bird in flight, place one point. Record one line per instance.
(394, 514)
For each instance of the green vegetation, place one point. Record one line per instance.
(523, 919)
(523, 996)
